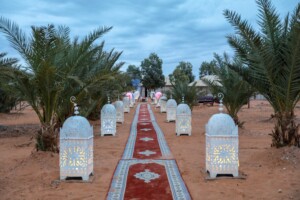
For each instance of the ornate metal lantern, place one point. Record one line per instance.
(171, 107)
(221, 145)
(108, 120)
(119, 111)
(76, 147)
(163, 104)
(136, 95)
(152, 97)
(131, 99)
(126, 104)
(183, 119)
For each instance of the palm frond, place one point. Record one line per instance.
(15, 36)
(243, 29)
(269, 22)
(7, 62)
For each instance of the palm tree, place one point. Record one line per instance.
(182, 90)
(273, 64)
(8, 98)
(56, 69)
(236, 91)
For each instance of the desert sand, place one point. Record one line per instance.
(268, 173)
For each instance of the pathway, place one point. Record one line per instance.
(147, 169)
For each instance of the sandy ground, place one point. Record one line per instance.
(269, 173)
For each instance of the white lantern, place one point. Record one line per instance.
(131, 100)
(221, 145)
(119, 111)
(171, 107)
(163, 104)
(76, 148)
(136, 95)
(126, 103)
(183, 119)
(108, 120)
(152, 97)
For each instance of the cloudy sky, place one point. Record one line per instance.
(176, 30)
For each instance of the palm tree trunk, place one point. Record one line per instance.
(238, 122)
(286, 132)
(47, 139)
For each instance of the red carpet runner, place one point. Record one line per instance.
(146, 170)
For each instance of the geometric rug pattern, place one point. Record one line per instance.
(147, 170)
(145, 134)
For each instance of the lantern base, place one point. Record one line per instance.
(104, 134)
(214, 175)
(178, 134)
(171, 120)
(86, 178)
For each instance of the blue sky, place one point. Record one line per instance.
(176, 30)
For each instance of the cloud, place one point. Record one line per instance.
(190, 30)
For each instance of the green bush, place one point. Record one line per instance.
(7, 101)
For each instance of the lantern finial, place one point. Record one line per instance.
(221, 96)
(182, 98)
(76, 108)
(108, 100)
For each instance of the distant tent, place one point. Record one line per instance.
(203, 86)
(212, 78)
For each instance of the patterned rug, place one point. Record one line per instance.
(147, 170)
(146, 140)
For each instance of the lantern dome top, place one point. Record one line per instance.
(171, 103)
(126, 98)
(108, 109)
(118, 103)
(164, 98)
(183, 109)
(221, 124)
(76, 127)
